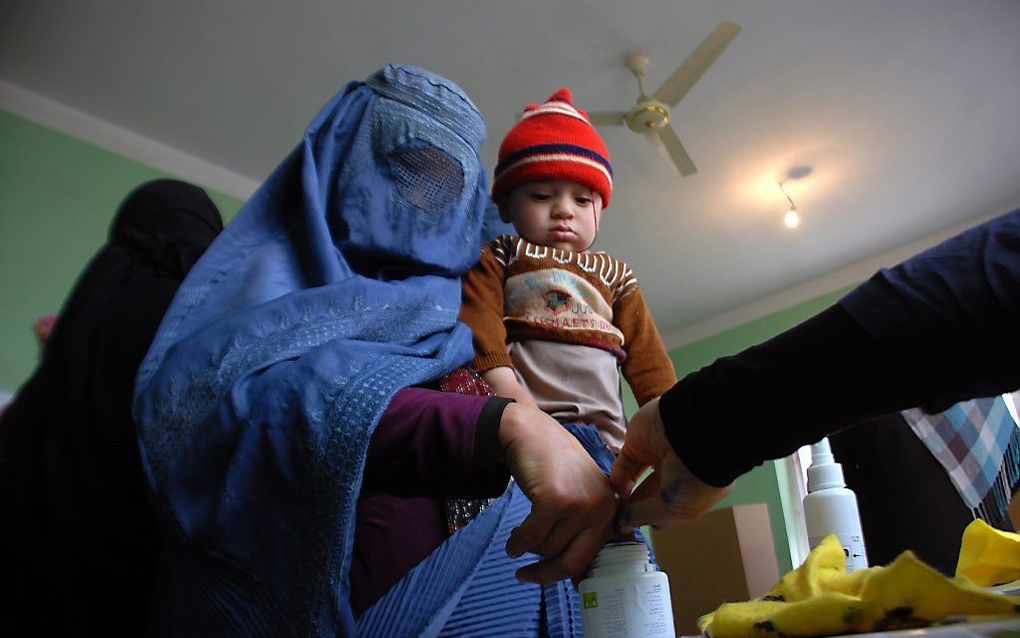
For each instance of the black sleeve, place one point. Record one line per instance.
(770, 399)
(955, 309)
(939, 328)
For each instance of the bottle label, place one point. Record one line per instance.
(853, 548)
(640, 607)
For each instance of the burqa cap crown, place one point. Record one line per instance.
(434, 95)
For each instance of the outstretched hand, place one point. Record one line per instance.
(671, 493)
(573, 503)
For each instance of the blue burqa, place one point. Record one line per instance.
(335, 286)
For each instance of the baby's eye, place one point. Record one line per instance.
(583, 201)
(539, 197)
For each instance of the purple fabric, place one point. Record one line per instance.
(424, 450)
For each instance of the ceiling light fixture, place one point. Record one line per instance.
(792, 218)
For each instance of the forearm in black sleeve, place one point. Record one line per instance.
(789, 391)
(955, 308)
(938, 328)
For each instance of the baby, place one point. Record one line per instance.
(553, 323)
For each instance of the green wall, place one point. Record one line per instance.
(57, 197)
(764, 483)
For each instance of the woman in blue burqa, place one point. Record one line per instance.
(302, 457)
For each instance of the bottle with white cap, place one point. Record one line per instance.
(624, 595)
(831, 508)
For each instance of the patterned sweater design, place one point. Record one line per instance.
(521, 290)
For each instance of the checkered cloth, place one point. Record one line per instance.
(978, 444)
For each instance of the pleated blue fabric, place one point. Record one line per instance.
(467, 588)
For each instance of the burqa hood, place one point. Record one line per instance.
(336, 285)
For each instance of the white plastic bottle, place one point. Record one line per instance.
(624, 596)
(830, 508)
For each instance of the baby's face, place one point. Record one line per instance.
(558, 213)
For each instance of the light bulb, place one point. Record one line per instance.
(791, 219)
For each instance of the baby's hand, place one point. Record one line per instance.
(504, 383)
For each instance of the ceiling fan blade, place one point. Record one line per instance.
(690, 70)
(676, 151)
(606, 118)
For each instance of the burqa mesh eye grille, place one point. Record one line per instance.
(427, 177)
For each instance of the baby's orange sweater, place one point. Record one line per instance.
(521, 290)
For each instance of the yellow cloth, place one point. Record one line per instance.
(820, 598)
(988, 556)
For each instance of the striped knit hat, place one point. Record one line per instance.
(554, 141)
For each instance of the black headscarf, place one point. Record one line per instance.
(77, 536)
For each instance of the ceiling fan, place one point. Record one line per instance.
(650, 114)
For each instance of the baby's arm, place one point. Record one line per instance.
(505, 384)
(648, 368)
(482, 311)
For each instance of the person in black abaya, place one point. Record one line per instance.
(78, 541)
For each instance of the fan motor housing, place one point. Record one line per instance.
(647, 115)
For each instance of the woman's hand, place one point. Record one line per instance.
(573, 503)
(670, 494)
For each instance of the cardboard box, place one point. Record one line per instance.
(726, 556)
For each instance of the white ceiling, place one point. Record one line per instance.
(905, 111)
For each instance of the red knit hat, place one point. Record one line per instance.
(554, 141)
